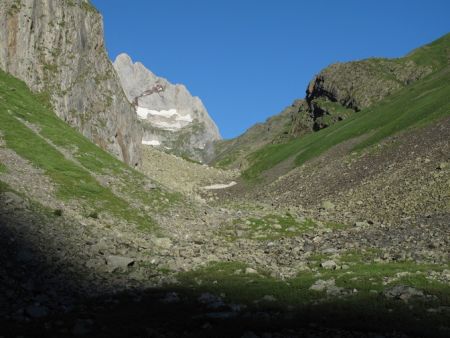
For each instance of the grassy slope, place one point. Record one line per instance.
(231, 152)
(413, 106)
(74, 175)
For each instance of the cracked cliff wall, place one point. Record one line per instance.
(57, 48)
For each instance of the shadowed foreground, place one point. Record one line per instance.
(51, 296)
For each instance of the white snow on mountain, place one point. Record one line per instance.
(154, 143)
(169, 113)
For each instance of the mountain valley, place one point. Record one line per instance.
(124, 213)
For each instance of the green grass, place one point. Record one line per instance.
(74, 177)
(223, 163)
(230, 278)
(294, 295)
(4, 187)
(269, 227)
(3, 168)
(434, 54)
(414, 106)
(335, 112)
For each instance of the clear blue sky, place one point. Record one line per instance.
(248, 59)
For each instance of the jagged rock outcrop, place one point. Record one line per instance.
(172, 118)
(57, 48)
(344, 88)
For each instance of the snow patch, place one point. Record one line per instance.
(219, 186)
(144, 112)
(151, 143)
(169, 119)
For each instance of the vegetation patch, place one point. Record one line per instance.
(33, 131)
(226, 161)
(269, 227)
(15, 7)
(333, 112)
(3, 168)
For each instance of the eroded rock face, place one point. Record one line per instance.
(57, 47)
(172, 118)
(344, 88)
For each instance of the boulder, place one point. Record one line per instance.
(119, 262)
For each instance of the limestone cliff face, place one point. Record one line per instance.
(57, 47)
(172, 118)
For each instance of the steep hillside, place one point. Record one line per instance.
(172, 118)
(336, 94)
(57, 48)
(277, 129)
(78, 176)
(414, 105)
(343, 88)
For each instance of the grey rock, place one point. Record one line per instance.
(250, 271)
(327, 205)
(269, 298)
(171, 297)
(171, 116)
(163, 242)
(329, 265)
(249, 334)
(403, 292)
(119, 262)
(210, 300)
(36, 311)
(58, 47)
(82, 327)
(322, 285)
(221, 315)
(94, 263)
(442, 166)
(329, 286)
(150, 186)
(25, 255)
(12, 198)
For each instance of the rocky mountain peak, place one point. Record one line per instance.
(173, 119)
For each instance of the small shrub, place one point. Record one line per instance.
(93, 215)
(58, 212)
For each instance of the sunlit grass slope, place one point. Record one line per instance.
(31, 129)
(415, 105)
